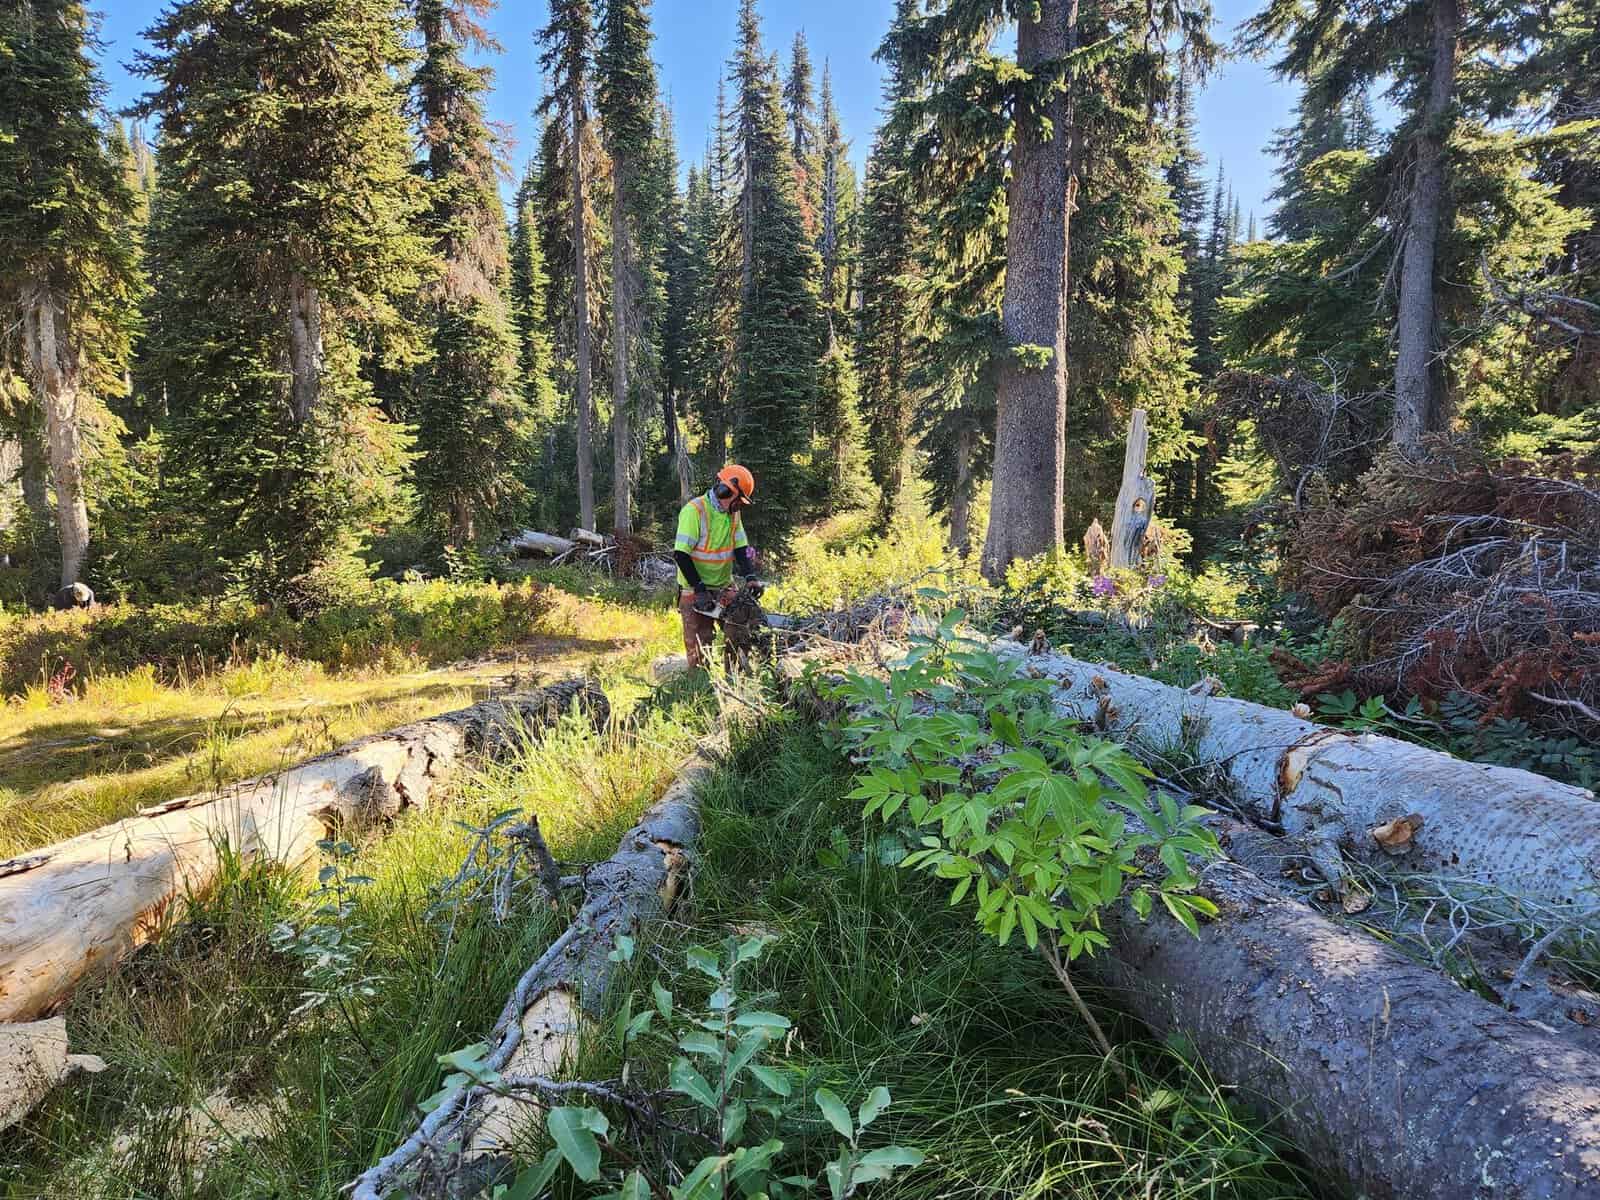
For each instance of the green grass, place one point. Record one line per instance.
(78, 756)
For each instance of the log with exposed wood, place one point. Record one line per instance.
(1337, 793)
(464, 1143)
(1397, 1079)
(33, 1059)
(82, 904)
(531, 541)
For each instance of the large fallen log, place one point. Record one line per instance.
(464, 1143)
(1394, 1077)
(1384, 1071)
(82, 904)
(1512, 832)
(531, 541)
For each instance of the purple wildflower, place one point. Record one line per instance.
(1157, 580)
(1103, 586)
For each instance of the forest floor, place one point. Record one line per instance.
(240, 1065)
(72, 759)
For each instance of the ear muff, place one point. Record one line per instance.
(722, 491)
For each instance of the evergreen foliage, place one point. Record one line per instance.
(284, 243)
(775, 363)
(474, 428)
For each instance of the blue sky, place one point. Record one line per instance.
(1237, 112)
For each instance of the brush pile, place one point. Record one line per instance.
(1455, 574)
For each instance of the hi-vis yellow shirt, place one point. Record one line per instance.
(709, 536)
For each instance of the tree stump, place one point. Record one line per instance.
(1136, 500)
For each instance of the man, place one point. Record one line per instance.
(710, 545)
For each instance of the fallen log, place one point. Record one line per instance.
(82, 904)
(1381, 1070)
(33, 1059)
(464, 1143)
(1513, 832)
(530, 541)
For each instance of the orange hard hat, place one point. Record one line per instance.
(740, 480)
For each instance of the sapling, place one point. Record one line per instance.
(1042, 826)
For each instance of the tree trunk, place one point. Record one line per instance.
(1025, 517)
(305, 350)
(961, 496)
(1136, 500)
(82, 904)
(1517, 834)
(624, 323)
(580, 256)
(1385, 1073)
(462, 1146)
(530, 541)
(1416, 403)
(54, 361)
(10, 467)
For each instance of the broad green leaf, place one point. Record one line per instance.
(532, 1182)
(663, 1000)
(880, 1164)
(835, 1112)
(573, 1130)
(704, 961)
(877, 1100)
(684, 1078)
(774, 1081)
(761, 1019)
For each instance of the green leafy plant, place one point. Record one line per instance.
(722, 1070)
(1042, 826)
(329, 943)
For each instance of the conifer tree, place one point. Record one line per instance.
(840, 463)
(713, 288)
(888, 240)
(567, 58)
(67, 275)
(628, 104)
(288, 233)
(528, 286)
(1185, 183)
(833, 162)
(473, 427)
(775, 376)
(799, 109)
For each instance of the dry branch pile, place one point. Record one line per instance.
(1458, 575)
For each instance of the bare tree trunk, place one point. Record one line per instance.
(625, 321)
(580, 255)
(1137, 498)
(1025, 517)
(961, 498)
(305, 350)
(1416, 404)
(10, 466)
(54, 362)
(82, 904)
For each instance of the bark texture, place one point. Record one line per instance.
(580, 274)
(54, 362)
(1382, 1071)
(624, 322)
(1510, 831)
(462, 1146)
(1136, 501)
(1416, 403)
(305, 349)
(78, 906)
(961, 494)
(1030, 426)
(531, 541)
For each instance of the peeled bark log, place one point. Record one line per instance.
(463, 1144)
(1510, 831)
(33, 1059)
(530, 541)
(1383, 1071)
(82, 904)
(1136, 500)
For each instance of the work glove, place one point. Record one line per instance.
(754, 586)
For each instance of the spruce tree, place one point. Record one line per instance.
(628, 104)
(288, 234)
(67, 271)
(799, 107)
(888, 241)
(473, 427)
(833, 161)
(568, 58)
(528, 285)
(1185, 182)
(775, 377)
